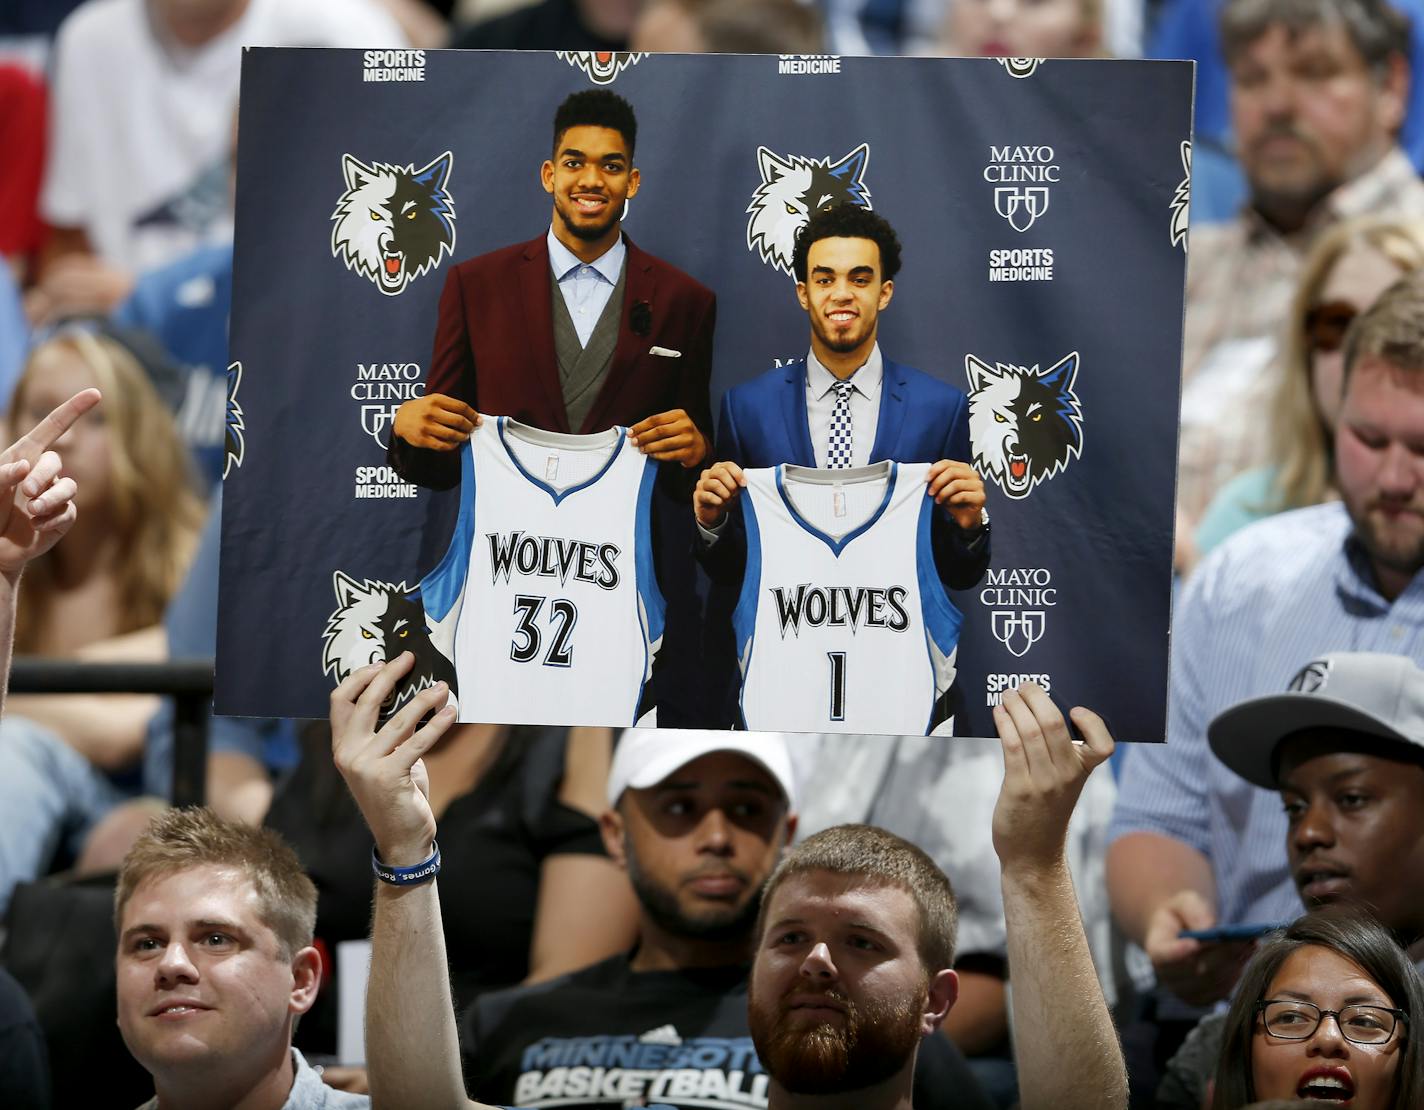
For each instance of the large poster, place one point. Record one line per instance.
(1042, 206)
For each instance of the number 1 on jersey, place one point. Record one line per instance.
(838, 666)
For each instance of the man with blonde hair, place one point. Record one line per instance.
(215, 964)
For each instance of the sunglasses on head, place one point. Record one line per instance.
(1326, 324)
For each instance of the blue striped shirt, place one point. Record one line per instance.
(1266, 602)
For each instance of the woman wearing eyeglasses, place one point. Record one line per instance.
(1331, 1008)
(1346, 270)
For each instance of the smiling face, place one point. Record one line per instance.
(1309, 114)
(839, 996)
(204, 988)
(590, 177)
(699, 845)
(1356, 829)
(1325, 1065)
(1379, 462)
(843, 294)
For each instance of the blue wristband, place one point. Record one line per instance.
(407, 876)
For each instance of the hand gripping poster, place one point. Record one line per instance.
(805, 394)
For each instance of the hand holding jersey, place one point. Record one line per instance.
(957, 487)
(435, 421)
(670, 436)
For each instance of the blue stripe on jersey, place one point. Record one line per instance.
(648, 590)
(558, 495)
(745, 614)
(441, 588)
(837, 546)
(942, 620)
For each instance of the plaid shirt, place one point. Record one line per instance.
(1240, 279)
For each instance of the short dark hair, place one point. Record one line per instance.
(885, 860)
(1377, 30)
(1349, 932)
(1391, 329)
(596, 108)
(848, 221)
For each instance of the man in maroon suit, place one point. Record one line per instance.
(577, 330)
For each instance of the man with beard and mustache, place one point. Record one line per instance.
(1317, 99)
(698, 820)
(1192, 844)
(575, 331)
(851, 961)
(1343, 749)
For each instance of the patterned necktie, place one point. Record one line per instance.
(838, 452)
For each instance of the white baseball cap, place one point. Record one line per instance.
(1362, 692)
(645, 757)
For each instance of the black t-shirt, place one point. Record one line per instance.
(610, 1037)
(493, 842)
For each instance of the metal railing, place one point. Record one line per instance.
(188, 681)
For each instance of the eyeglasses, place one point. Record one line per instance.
(1326, 324)
(1291, 1020)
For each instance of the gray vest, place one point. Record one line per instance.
(582, 370)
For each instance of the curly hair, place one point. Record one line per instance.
(596, 108)
(848, 221)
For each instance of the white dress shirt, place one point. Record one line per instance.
(821, 403)
(586, 286)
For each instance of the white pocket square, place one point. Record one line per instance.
(665, 352)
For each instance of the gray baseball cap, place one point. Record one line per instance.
(1362, 692)
(644, 757)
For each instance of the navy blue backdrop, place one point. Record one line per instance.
(1042, 209)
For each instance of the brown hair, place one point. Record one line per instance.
(179, 839)
(1299, 438)
(887, 860)
(155, 512)
(1376, 29)
(1392, 329)
(1359, 938)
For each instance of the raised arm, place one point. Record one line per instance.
(1067, 1049)
(412, 1049)
(36, 507)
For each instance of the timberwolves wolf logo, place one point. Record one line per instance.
(794, 187)
(601, 66)
(1025, 424)
(374, 622)
(234, 438)
(393, 223)
(1181, 199)
(1020, 67)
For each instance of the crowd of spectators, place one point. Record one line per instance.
(617, 893)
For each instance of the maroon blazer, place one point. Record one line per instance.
(494, 350)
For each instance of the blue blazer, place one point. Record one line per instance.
(922, 419)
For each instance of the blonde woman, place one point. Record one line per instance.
(1346, 270)
(100, 594)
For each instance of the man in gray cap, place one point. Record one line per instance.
(1344, 746)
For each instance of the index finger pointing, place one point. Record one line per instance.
(46, 433)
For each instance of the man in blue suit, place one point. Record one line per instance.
(845, 404)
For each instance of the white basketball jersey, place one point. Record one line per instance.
(842, 624)
(546, 599)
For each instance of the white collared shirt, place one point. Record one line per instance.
(586, 286)
(864, 406)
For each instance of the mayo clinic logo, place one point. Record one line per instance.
(1021, 176)
(1019, 599)
(380, 388)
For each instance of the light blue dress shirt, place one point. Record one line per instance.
(586, 286)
